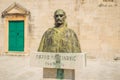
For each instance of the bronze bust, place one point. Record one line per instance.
(59, 39)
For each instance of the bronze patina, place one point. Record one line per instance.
(59, 39)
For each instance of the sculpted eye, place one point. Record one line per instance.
(61, 15)
(56, 15)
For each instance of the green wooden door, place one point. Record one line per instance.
(16, 36)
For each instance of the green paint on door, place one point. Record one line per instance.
(16, 36)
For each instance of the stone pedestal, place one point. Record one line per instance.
(71, 63)
(50, 73)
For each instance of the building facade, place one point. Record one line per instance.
(96, 23)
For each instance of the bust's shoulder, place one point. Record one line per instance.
(49, 29)
(70, 30)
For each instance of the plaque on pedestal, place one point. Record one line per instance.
(59, 66)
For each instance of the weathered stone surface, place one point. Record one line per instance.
(18, 68)
(97, 27)
(72, 63)
(58, 60)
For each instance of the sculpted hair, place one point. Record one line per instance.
(59, 10)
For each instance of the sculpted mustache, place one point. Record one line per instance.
(59, 20)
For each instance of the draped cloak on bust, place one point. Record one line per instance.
(61, 39)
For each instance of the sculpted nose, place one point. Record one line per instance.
(58, 17)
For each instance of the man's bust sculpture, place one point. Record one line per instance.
(59, 38)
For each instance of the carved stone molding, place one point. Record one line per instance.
(15, 9)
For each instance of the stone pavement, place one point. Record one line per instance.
(18, 68)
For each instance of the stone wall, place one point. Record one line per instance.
(100, 28)
(95, 22)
